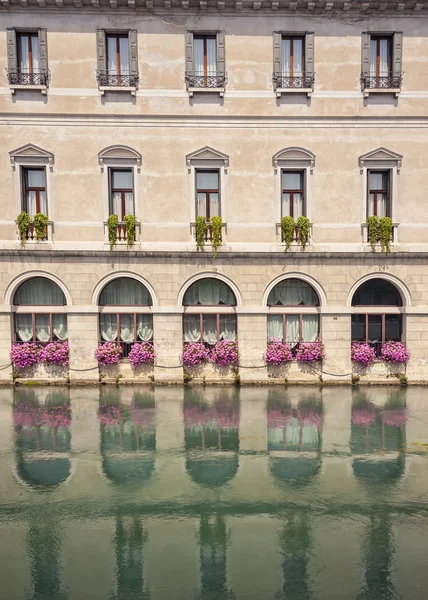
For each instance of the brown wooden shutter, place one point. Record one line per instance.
(101, 50)
(133, 51)
(365, 54)
(221, 55)
(309, 53)
(397, 53)
(43, 49)
(277, 42)
(12, 55)
(189, 51)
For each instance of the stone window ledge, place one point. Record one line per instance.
(284, 91)
(41, 88)
(109, 88)
(220, 91)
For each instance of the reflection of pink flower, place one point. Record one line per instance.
(225, 417)
(144, 416)
(195, 415)
(108, 415)
(57, 416)
(394, 416)
(309, 415)
(27, 415)
(279, 419)
(364, 415)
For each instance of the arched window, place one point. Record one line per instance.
(293, 316)
(381, 324)
(218, 320)
(119, 322)
(39, 324)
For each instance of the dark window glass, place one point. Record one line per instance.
(377, 292)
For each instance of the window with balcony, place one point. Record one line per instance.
(382, 62)
(117, 60)
(27, 59)
(205, 62)
(378, 196)
(292, 194)
(293, 62)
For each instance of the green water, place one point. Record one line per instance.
(216, 493)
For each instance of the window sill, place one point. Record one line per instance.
(282, 91)
(368, 91)
(41, 88)
(220, 91)
(110, 88)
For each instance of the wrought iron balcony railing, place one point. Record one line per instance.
(197, 81)
(125, 79)
(293, 82)
(28, 77)
(384, 81)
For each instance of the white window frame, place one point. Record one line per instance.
(294, 159)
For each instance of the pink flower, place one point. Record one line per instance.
(55, 353)
(225, 353)
(108, 353)
(395, 352)
(310, 351)
(194, 354)
(277, 353)
(363, 353)
(396, 417)
(279, 418)
(142, 353)
(363, 415)
(25, 355)
(109, 415)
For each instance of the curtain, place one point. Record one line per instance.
(274, 327)
(285, 57)
(384, 56)
(373, 58)
(292, 329)
(117, 204)
(36, 178)
(192, 330)
(293, 292)
(214, 205)
(125, 292)
(211, 56)
(108, 327)
(198, 56)
(59, 326)
(309, 328)
(297, 205)
(121, 180)
(129, 203)
(126, 328)
(124, 55)
(24, 327)
(209, 292)
(377, 181)
(201, 208)
(42, 328)
(39, 291)
(111, 55)
(298, 57)
(35, 51)
(24, 61)
(228, 327)
(31, 203)
(145, 328)
(210, 329)
(207, 180)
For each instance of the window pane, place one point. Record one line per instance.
(129, 203)
(292, 329)
(39, 291)
(373, 57)
(36, 178)
(209, 292)
(228, 327)
(59, 327)
(42, 328)
(298, 57)
(124, 55)
(358, 328)
(24, 327)
(275, 327)
(108, 327)
(214, 205)
(377, 292)
(126, 328)
(145, 327)
(23, 47)
(112, 54)
(286, 52)
(297, 205)
(210, 328)
(211, 56)
(377, 181)
(310, 328)
(192, 328)
(291, 181)
(117, 204)
(207, 180)
(35, 51)
(384, 56)
(375, 328)
(198, 56)
(125, 292)
(293, 292)
(393, 327)
(201, 208)
(285, 205)
(122, 180)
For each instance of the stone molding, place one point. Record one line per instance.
(30, 154)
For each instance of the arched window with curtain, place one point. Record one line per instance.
(377, 314)
(125, 314)
(39, 312)
(209, 312)
(293, 312)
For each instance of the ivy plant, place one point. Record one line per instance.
(23, 222)
(288, 227)
(130, 222)
(217, 224)
(41, 226)
(112, 223)
(373, 231)
(303, 224)
(200, 229)
(385, 233)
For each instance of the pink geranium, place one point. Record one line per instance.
(108, 353)
(310, 351)
(27, 415)
(142, 353)
(25, 355)
(225, 353)
(57, 416)
(277, 353)
(108, 414)
(395, 352)
(396, 417)
(55, 353)
(363, 353)
(279, 418)
(363, 415)
(194, 354)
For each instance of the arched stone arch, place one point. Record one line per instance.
(117, 275)
(295, 275)
(208, 275)
(401, 287)
(17, 281)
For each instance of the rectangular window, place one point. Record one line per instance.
(121, 192)
(293, 56)
(34, 191)
(380, 56)
(205, 56)
(376, 329)
(207, 194)
(292, 197)
(293, 329)
(118, 54)
(209, 328)
(28, 53)
(378, 196)
(41, 328)
(126, 329)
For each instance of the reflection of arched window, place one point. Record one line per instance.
(212, 324)
(37, 324)
(120, 319)
(286, 319)
(379, 325)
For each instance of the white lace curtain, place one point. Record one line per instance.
(199, 56)
(209, 292)
(125, 292)
(293, 292)
(310, 327)
(39, 291)
(24, 328)
(108, 328)
(192, 328)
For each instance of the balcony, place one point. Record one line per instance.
(195, 82)
(296, 236)
(121, 236)
(26, 79)
(208, 232)
(389, 83)
(303, 84)
(31, 235)
(110, 81)
(365, 233)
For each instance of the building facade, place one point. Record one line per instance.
(178, 113)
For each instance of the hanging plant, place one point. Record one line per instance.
(373, 227)
(303, 224)
(23, 222)
(200, 229)
(217, 224)
(112, 223)
(385, 233)
(130, 222)
(41, 226)
(288, 227)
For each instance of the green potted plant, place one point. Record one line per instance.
(130, 222)
(288, 227)
(217, 224)
(41, 226)
(304, 224)
(200, 229)
(112, 223)
(23, 222)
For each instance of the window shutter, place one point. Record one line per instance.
(43, 49)
(388, 193)
(277, 41)
(23, 198)
(133, 51)
(309, 53)
(365, 54)
(397, 53)
(189, 51)
(101, 50)
(12, 61)
(221, 57)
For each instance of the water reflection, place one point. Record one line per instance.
(212, 494)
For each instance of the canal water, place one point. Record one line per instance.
(124, 493)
